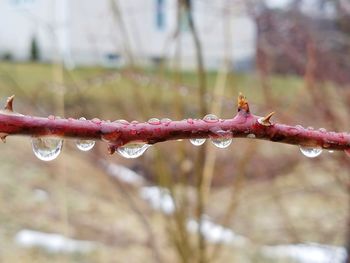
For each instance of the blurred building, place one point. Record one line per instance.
(305, 37)
(111, 33)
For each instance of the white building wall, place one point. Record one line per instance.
(86, 31)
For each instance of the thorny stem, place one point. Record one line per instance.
(119, 133)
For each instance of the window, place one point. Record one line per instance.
(160, 14)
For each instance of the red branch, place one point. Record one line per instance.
(244, 124)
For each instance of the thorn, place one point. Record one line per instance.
(111, 149)
(242, 103)
(266, 120)
(9, 103)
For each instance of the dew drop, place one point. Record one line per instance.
(96, 120)
(211, 118)
(122, 122)
(331, 151)
(197, 142)
(251, 135)
(47, 148)
(154, 121)
(190, 121)
(165, 121)
(222, 142)
(132, 150)
(84, 145)
(310, 152)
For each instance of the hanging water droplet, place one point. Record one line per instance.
(197, 142)
(311, 152)
(211, 118)
(222, 142)
(46, 148)
(84, 145)
(154, 121)
(331, 151)
(132, 150)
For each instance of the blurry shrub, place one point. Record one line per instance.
(34, 50)
(7, 56)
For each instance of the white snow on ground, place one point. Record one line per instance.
(159, 198)
(307, 253)
(123, 173)
(53, 243)
(215, 233)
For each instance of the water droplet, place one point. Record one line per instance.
(331, 151)
(51, 117)
(251, 135)
(165, 121)
(310, 128)
(311, 152)
(154, 121)
(122, 122)
(190, 121)
(197, 142)
(132, 150)
(211, 118)
(222, 142)
(47, 148)
(84, 145)
(96, 120)
(322, 130)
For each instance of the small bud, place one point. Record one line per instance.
(242, 103)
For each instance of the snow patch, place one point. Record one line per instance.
(159, 198)
(307, 253)
(53, 243)
(215, 233)
(123, 174)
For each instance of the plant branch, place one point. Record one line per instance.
(244, 124)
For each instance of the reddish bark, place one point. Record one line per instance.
(120, 133)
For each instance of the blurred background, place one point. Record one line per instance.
(252, 202)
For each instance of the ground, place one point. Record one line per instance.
(278, 195)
